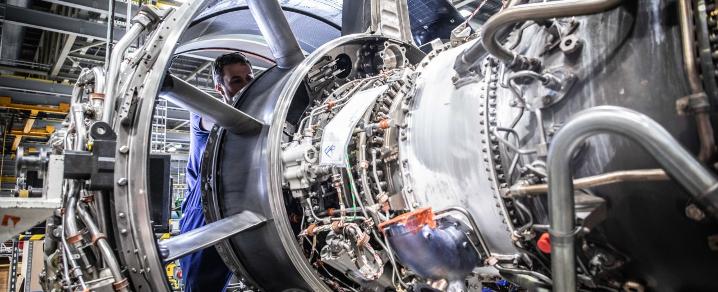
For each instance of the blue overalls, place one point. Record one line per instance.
(203, 270)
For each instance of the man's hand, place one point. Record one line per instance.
(205, 124)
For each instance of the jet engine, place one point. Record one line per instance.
(562, 145)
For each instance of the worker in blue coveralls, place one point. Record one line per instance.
(204, 270)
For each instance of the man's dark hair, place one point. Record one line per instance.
(224, 60)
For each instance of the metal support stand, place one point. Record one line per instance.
(13, 266)
(28, 265)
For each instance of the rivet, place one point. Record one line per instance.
(124, 149)
(122, 181)
(121, 214)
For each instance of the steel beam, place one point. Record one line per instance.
(87, 57)
(34, 133)
(210, 108)
(97, 6)
(69, 41)
(7, 103)
(36, 85)
(199, 70)
(87, 46)
(57, 23)
(34, 98)
(26, 130)
(208, 235)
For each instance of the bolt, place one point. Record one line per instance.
(124, 149)
(122, 215)
(695, 213)
(123, 231)
(122, 181)
(547, 100)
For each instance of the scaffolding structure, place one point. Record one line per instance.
(179, 183)
(158, 140)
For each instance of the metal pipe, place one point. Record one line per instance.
(276, 31)
(688, 45)
(67, 254)
(110, 30)
(197, 101)
(95, 75)
(128, 16)
(678, 162)
(535, 12)
(113, 70)
(105, 249)
(596, 180)
(78, 117)
(705, 128)
(536, 275)
(69, 228)
(99, 77)
(70, 225)
(466, 61)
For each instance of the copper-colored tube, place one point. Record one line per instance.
(703, 123)
(705, 136)
(596, 180)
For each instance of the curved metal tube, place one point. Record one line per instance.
(534, 274)
(276, 31)
(596, 180)
(113, 70)
(535, 11)
(688, 45)
(69, 228)
(95, 74)
(705, 129)
(70, 224)
(104, 247)
(78, 117)
(678, 162)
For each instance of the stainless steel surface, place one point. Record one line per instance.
(208, 235)
(641, 175)
(678, 162)
(444, 159)
(197, 101)
(276, 31)
(113, 70)
(131, 203)
(110, 29)
(391, 18)
(536, 12)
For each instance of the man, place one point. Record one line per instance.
(204, 270)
